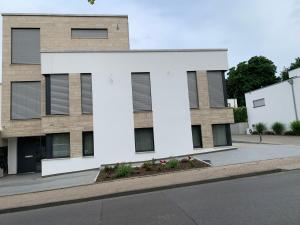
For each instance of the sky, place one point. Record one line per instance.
(246, 28)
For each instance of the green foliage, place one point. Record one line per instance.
(91, 2)
(285, 72)
(278, 128)
(247, 76)
(260, 128)
(172, 164)
(240, 114)
(124, 170)
(295, 126)
(147, 166)
(289, 133)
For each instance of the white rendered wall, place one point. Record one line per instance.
(297, 94)
(279, 104)
(112, 100)
(12, 156)
(294, 73)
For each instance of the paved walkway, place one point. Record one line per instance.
(268, 139)
(17, 184)
(125, 186)
(250, 152)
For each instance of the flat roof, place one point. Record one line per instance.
(63, 15)
(142, 50)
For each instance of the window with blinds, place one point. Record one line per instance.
(57, 94)
(25, 46)
(193, 90)
(25, 100)
(144, 139)
(58, 145)
(141, 92)
(197, 136)
(86, 33)
(259, 103)
(86, 94)
(215, 88)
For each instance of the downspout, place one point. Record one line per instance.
(291, 82)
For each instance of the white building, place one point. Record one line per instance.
(276, 103)
(232, 102)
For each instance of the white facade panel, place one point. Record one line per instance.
(113, 107)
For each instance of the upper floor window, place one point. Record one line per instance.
(141, 92)
(193, 90)
(216, 90)
(86, 93)
(259, 103)
(25, 100)
(25, 46)
(87, 33)
(57, 94)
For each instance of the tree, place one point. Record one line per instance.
(91, 2)
(260, 129)
(285, 72)
(247, 76)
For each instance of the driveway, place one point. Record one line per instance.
(250, 152)
(267, 139)
(17, 184)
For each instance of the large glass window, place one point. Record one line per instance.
(58, 145)
(25, 100)
(88, 143)
(25, 46)
(221, 134)
(216, 88)
(144, 140)
(141, 92)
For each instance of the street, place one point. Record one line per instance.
(269, 199)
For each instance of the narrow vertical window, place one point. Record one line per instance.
(141, 92)
(193, 90)
(197, 136)
(88, 143)
(86, 94)
(216, 88)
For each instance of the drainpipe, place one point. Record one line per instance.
(291, 82)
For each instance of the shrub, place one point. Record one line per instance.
(172, 164)
(108, 169)
(295, 126)
(124, 170)
(240, 114)
(289, 132)
(147, 166)
(260, 128)
(254, 132)
(269, 132)
(278, 128)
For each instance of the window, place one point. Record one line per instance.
(193, 90)
(89, 33)
(57, 94)
(88, 143)
(216, 88)
(58, 145)
(144, 140)
(221, 134)
(141, 92)
(259, 103)
(86, 93)
(25, 100)
(25, 46)
(197, 136)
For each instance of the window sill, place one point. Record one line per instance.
(25, 119)
(145, 152)
(198, 148)
(58, 158)
(88, 156)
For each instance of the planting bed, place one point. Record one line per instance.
(148, 168)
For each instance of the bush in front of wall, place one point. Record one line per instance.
(147, 166)
(172, 164)
(289, 133)
(124, 170)
(278, 128)
(260, 128)
(295, 126)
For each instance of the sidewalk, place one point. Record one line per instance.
(268, 139)
(142, 184)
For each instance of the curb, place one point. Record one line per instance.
(120, 194)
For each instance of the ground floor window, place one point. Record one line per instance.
(197, 136)
(88, 143)
(58, 145)
(144, 140)
(221, 134)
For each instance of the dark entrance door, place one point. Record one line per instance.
(29, 151)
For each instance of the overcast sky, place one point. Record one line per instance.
(247, 28)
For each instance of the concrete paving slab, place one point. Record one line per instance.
(268, 139)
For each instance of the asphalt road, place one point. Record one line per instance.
(270, 199)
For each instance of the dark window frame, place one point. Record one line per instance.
(253, 102)
(11, 43)
(49, 146)
(152, 135)
(85, 113)
(27, 81)
(201, 141)
(106, 29)
(198, 105)
(228, 134)
(84, 133)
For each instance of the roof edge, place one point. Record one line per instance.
(62, 15)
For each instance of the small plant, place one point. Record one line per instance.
(192, 164)
(172, 164)
(295, 126)
(116, 166)
(147, 166)
(289, 133)
(153, 161)
(108, 169)
(260, 128)
(124, 170)
(278, 128)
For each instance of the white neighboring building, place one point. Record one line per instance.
(276, 103)
(232, 102)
